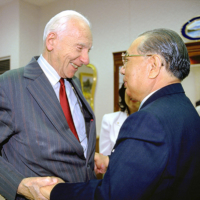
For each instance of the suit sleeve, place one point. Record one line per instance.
(105, 146)
(9, 177)
(135, 167)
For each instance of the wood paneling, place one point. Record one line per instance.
(194, 52)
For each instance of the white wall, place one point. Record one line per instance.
(115, 24)
(28, 32)
(9, 32)
(19, 22)
(196, 69)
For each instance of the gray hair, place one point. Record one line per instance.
(56, 22)
(171, 47)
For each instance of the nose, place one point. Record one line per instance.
(122, 70)
(85, 58)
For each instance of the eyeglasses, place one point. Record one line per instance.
(125, 55)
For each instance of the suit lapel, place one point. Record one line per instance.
(89, 118)
(42, 91)
(82, 98)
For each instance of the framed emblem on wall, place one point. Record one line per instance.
(191, 29)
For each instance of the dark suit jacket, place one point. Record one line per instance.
(157, 155)
(34, 132)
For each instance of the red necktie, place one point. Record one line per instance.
(66, 109)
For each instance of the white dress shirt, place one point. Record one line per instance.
(77, 115)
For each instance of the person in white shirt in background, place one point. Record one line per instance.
(112, 122)
(198, 109)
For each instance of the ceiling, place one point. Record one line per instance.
(34, 2)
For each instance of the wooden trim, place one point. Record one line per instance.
(194, 52)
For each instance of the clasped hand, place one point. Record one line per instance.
(30, 187)
(39, 188)
(101, 163)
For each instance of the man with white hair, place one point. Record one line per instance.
(47, 126)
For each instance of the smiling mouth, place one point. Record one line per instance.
(75, 66)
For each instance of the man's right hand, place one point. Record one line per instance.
(30, 187)
(101, 163)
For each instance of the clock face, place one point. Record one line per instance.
(191, 29)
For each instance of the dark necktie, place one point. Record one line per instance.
(66, 109)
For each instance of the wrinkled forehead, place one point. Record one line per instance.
(78, 29)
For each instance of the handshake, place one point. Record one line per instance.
(39, 188)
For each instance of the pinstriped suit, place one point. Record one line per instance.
(34, 132)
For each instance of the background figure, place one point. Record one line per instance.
(37, 137)
(156, 155)
(112, 122)
(198, 109)
(198, 103)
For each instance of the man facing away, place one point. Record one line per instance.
(36, 137)
(156, 155)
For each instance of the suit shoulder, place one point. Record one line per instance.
(12, 74)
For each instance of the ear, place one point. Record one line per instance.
(155, 66)
(51, 41)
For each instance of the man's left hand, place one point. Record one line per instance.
(30, 187)
(46, 190)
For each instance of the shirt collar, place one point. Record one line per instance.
(49, 71)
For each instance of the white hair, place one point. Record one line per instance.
(56, 22)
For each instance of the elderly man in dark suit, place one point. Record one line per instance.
(45, 132)
(157, 154)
